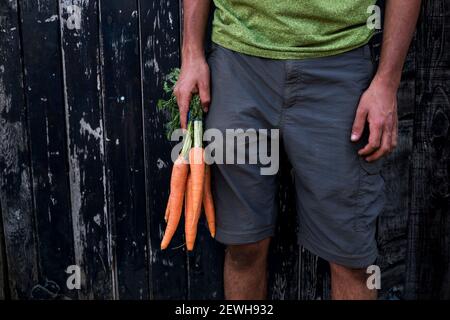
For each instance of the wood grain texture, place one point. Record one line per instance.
(47, 134)
(205, 267)
(393, 222)
(125, 173)
(3, 264)
(15, 180)
(314, 277)
(428, 262)
(284, 250)
(85, 142)
(160, 50)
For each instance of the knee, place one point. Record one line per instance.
(248, 255)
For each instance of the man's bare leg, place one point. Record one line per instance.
(350, 284)
(245, 271)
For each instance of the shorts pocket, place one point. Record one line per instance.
(370, 197)
(371, 168)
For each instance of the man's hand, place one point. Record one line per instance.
(194, 78)
(378, 106)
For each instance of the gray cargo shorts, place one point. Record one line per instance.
(313, 103)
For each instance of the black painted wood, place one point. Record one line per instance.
(428, 258)
(284, 250)
(124, 146)
(393, 222)
(47, 134)
(86, 145)
(205, 265)
(15, 177)
(3, 264)
(160, 50)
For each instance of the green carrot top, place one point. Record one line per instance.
(171, 107)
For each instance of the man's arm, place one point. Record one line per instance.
(194, 77)
(378, 104)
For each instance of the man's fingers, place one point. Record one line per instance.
(374, 139)
(183, 119)
(394, 134)
(358, 124)
(386, 145)
(183, 100)
(205, 95)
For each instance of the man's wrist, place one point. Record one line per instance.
(387, 80)
(192, 53)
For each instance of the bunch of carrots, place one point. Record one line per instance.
(190, 183)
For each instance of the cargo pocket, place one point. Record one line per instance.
(370, 196)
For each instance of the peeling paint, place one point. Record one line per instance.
(52, 18)
(79, 229)
(161, 164)
(97, 219)
(5, 100)
(86, 128)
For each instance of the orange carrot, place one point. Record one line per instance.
(166, 215)
(177, 188)
(208, 203)
(196, 195)
(188, 214)
(197, 167)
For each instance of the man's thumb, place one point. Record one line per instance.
(358, 125)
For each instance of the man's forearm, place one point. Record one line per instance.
(399, 26)
(194, 77)
(195, 18)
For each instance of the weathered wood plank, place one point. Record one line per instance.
(393, 222)
(124, 144)
(314, 277)
(160, 49)
(3, 263)
(82, 86)
(205, 267)
(428, 264)
(392, 263)
(284, 250)
(46, 118)
(15, 181)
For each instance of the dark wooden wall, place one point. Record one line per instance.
(84, 164)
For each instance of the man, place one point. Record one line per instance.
(303, 67)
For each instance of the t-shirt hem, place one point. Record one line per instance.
(283, 55)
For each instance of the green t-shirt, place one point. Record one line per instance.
(291, 29)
